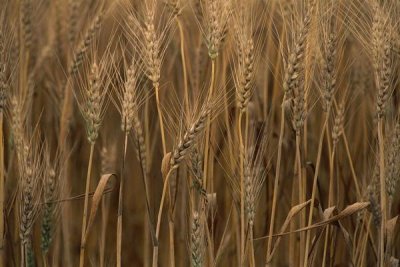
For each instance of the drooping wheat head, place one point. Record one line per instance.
(187, 142)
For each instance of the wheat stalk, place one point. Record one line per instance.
(383, 71)
(31, 174)
(175, 158)
(92, 105)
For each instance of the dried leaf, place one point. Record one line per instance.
(98, 194)
(293, 212)
(326, 215)
(348, 211)
(329, 212)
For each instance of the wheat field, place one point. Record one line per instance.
(199, 133)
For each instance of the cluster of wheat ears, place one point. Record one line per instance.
(199, 133)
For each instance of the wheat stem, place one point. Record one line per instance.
(314, 189)
(155, 249)
(120, 205)
(383, 192)
(23, 262)
(45, 263)
(155, 255)
(330, 200)
(365, 243)
(85, 207)
(208, 124)
(301, 188)
(160, 118)
(251, 247)
(162, 203)
(353, 172)
(242, 219)
(2, 191)
(171, 242)
(276, 184)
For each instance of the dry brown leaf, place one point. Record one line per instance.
(327, 214)
(98, 194)
(348, 211)
(293, 211)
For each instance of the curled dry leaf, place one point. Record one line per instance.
(326, 215)
(348, 211)
(98, 195)
(293, 212)
(329, 212)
